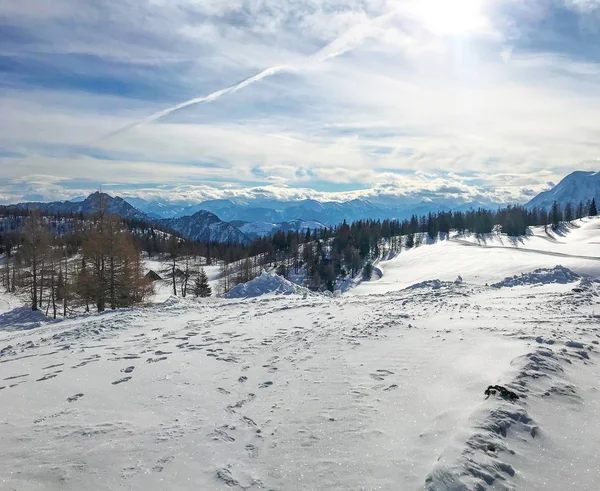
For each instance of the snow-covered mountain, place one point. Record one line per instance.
(579, 186)
(92, 204)
(160, 208)
(205, 226)
(202, 225)
(326, 212)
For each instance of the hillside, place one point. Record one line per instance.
(489, 258)
(205, 226)
(577, 187)
(382, 388)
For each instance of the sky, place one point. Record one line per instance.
(490, 101)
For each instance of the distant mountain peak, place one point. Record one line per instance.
(577, 186)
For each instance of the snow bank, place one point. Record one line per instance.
(542, 276)
(267, 282)
(433, 284)
(21, 318)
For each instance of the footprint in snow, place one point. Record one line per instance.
(220, 434)
(265, 384)
(128, 369)
(46, 377)
(252, 451)
(121, 380)
(16, 376)
(155, 360)
(249, 421)
(74, 398)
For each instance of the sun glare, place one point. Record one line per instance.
(445, 17)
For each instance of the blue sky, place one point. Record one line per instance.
(488, 100)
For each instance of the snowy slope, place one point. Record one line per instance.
(492, 258)
(579, 186)
(382, 388)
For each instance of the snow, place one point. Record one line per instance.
(579, 186)
(492, 258)
(381, 387)
(540, 276)
(22, 318)
(163, 289)
(267, 282)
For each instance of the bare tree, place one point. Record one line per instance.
(33, 252)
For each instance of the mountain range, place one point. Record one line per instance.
(241, 220)
(328, 213)
(203, 225)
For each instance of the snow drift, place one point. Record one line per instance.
(267, 282)
(21, 319)
(541, 276)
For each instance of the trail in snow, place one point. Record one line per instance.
(307, 393)
(523, 249)
(344, 43)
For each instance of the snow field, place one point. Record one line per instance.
(379, 388)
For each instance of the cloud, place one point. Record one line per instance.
(504, 94)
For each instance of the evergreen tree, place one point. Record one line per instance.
(555, 216)
(593, 209)
(201, 286)
(367, 271)
(568, 212)
(579, 211)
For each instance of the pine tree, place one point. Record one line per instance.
(201, 286)
(555, 215)
(568, 212)
(579, 211)
(593, 209)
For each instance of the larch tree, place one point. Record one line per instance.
(33, 253)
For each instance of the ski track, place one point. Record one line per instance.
(524, 249)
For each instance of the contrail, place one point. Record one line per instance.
(344, 43)
(199, 100)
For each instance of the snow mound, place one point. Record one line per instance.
(21, 319)
(377, 274)
(267, 282)
(433, 284)
(542, 276)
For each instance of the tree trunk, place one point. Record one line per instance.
(41, 283)
(113, 298)
(174, 284)
(66, 291)
(34, 298)
(53, 293)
